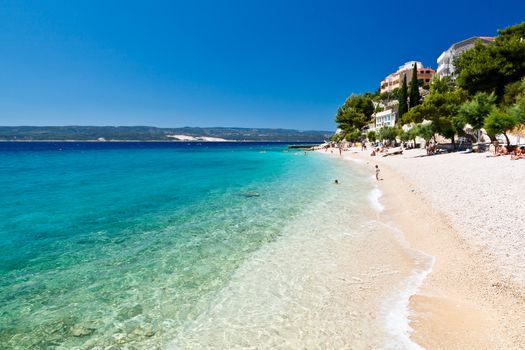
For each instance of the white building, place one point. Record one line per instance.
(385, 118)
(446, 60)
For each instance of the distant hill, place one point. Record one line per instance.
(148, 133)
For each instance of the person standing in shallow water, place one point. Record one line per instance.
(377, 172)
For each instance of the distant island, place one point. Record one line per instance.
(148, 133)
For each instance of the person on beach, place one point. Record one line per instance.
(502, 151)
(377, 172)
(336, 182)
(518, 154)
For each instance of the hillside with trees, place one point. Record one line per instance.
(486, 95)
(147, 133)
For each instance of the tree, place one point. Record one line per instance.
(475, 111)
(500, 122)
(403, 98)
(409, 135)
(389, 96)
(415, 97)
(371, 136)
(513, 92)
(337, 137)
(426, 131)
(517, 109)
(416, 114)
(355, 114)
(439, 107)
(490, 68)
(354, 136)
(413, 134)
(404, 136)
(388, 133)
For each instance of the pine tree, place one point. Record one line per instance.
(403, 98)
(415, 98)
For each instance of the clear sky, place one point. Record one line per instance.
(271, 63)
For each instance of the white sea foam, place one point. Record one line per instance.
(373, 197)
(396, 310)
(356, 160)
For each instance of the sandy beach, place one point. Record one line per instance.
(465, 211)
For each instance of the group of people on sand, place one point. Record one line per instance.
(377, 150)
(431, 148)
(514, 152)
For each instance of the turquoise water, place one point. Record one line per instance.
(122, 245)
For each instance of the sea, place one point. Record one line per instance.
(173, 245)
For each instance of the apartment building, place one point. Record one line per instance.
(385, 118)
(395, 80)
(446, 60)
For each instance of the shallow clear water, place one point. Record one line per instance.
(127, 244)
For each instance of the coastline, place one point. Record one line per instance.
(465, 302)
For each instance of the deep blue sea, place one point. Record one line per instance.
(121, 245)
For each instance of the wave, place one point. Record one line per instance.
(396, 308)
(373, 197)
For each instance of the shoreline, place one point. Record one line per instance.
(321, 283)
(462, 303)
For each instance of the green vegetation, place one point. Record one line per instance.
(415, 97)
(490, 68)
(409, 135)
(441, 108)
(371, 136)
(355, 114)
(388, 134)
(426, 131)
(385, 97)
(517, 105)
(476, 110)
(354, 136)
(500, 122)
(403, 99)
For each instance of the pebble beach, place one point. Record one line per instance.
(482, 196)
(466, 211)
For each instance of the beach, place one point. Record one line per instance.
(463, 210)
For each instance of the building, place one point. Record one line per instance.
(385, 118)
(394, 80)
(446, 60)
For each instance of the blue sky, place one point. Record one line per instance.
(272, 63)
